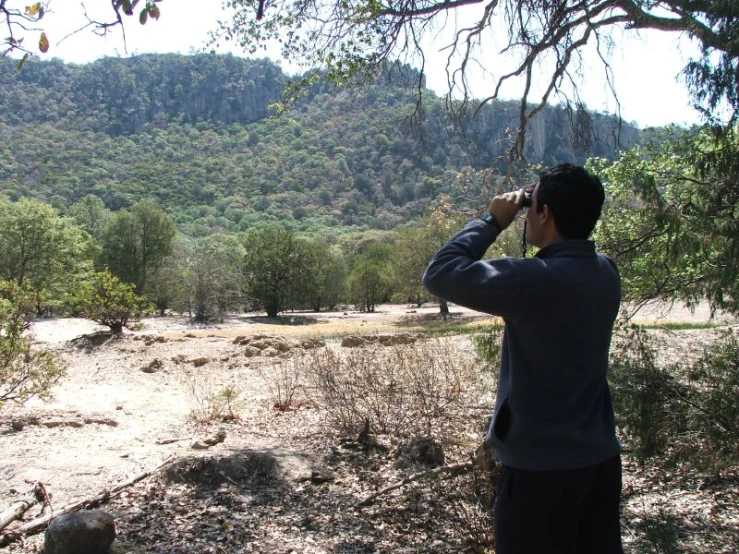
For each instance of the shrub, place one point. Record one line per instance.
(489, 346)
(283, 382)
(644, 393)
(211, 401)
(107, 301)
(403, 390)
(687, 409)
(24, 372)
(713, 405)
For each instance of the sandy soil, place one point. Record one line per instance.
(109, 419)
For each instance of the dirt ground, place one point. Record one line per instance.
(126, 405)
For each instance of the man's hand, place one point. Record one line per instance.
(505, 207)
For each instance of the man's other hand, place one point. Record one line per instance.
(505, 207)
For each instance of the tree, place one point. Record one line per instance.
(24, 372)
(108, 301)
(352, 39)
(672, 223)
(136, 242)
(323, 277)
(370, 278)
(415, 246)
(271, 264)
(91, 214)
(40, 249)
(204, 276)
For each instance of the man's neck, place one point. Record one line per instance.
(550, 238)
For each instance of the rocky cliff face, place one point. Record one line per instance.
(122, 95)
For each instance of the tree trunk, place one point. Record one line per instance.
(443, 307)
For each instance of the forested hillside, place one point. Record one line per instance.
(198, 135)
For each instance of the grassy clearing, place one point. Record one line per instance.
(679, 325)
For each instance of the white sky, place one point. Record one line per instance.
(645, 66)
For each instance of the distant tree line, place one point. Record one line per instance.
(670, 223)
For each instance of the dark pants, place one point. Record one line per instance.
(559, 512)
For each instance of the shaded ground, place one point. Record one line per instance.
(281, 481)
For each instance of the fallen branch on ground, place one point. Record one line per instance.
(21, 506)
(451, 468)
(40, 523)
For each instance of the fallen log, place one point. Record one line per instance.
(17, 510)
(40, 523)
(22, 505)
(451, 468)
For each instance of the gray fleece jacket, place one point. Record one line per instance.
(553, 408)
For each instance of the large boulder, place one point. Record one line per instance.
(83, 532)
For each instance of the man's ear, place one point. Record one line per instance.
(546, 214)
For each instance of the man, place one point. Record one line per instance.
(553, 425)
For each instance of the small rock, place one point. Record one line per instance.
(319, 477)
(352, 341)
(83, 532)
(238, 339)
(153, 367)
(190, 336)
(218, 438)
(424, 450)
(199, 362)
(17, 425)
(250, 351)
(309, 344)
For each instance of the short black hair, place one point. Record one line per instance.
(575, 198)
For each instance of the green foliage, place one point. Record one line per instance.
(24, 372)
(41, 250)
(371, 277)
(136, 242)
(672, 220)
(714, 406)
(202, 144)
(658, 533)
(415, 246)
(202, 276)
(271, 266)
(91, 214)
(645, 395)
(489, 346)
(686, 410)
(323, 275)
(108, 301)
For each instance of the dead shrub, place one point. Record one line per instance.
(404, 390)
(283, 381)
(212, 401)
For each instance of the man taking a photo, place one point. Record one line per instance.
(553, 425)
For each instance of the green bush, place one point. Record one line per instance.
(24, 372)
(713, 407)
(106, 300)
(687, 410)
(488, 346)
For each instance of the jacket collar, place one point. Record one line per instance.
(568, 249)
